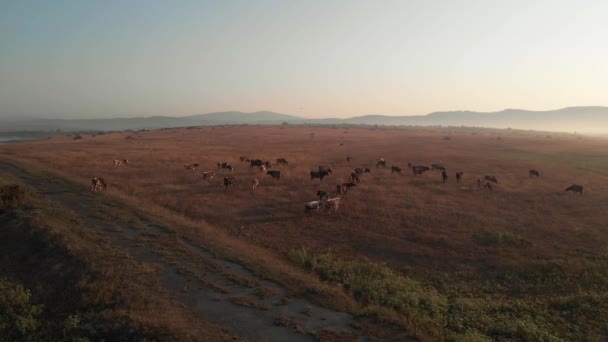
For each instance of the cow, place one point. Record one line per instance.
(479, 183)
(348, 159)
(191, 167)
(225, 166)
(312, 206)
(208, 175)
(361, 171)
(325, 169)
(244, 159)
(282, 161)
(255, 183)
(410, 165)
(418, 170)
(488, 185)
(229, 181)
(437, 167)
(98, 184)
(490, 179)
(343, 188)
(262, 168)
(534, 173)
(459, 176)
(354, 178)
(444, 176)
(381, 163)
(255, 162)
(274, 174)
(395, 169)
(318, 174)
(575, 188)
(120, 162)
(267, 163)
(323, 195)
(332, 204)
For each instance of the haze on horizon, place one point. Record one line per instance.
(96, 59)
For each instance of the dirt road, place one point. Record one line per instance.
(222, 292)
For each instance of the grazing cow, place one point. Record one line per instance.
(418, 170)
(343, 189)
(534, 173)
(575, 188)
(120, 162)
(244, 159)
(437, 167)
(490, 179)
(255, 162)
(312, 206)
(381, 163)
(325, 169)
(229, 181)
(488, 185)
(191, 167)
(348, 159)
(361, 170)
(262, 168)
(268, 165)
(354, 177)
(282, 161)
(459, 176)
(98, 184)
(332, 204)
(225, 166)
(208, 175)
(318, 174)
(255, 183)
(323, 195)
(395, 169)
(274, 174)
(444, 176)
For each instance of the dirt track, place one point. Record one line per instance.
(222, 292)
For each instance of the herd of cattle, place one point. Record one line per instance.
(326, 201)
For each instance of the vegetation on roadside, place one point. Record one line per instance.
(455, 309)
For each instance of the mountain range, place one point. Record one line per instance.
(570, 119)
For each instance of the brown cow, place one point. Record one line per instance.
(459, 176)
(395, 169)
(255, 183)
(120, 162)
(444, 176)
(229, 181)
(332, 204)
(191, 167)
(534, 173)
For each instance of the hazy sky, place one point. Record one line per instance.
(312, 58)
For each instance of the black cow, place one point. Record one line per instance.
(418, 170)
(318, 174)
(323, 195)
(395, 169)
(267, 164)
(255, 162)
(459, 176)
(282, 161)
(361, 171)
(274, 174)
(491, 179)
(444, 176)
(576, 189)
(229, 181)
(437, 167)
(325, 169)
(354, 178)
(534, 173)
(224, 166)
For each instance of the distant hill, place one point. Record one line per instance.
(570, 119)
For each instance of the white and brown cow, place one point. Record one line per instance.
(208, 175)
(118, 162)
(98, 184)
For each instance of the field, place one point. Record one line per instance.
(524, 261)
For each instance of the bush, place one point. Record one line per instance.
(18, 316)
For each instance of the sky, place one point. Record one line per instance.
(114, 58)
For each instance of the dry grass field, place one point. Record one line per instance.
(524, 261)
